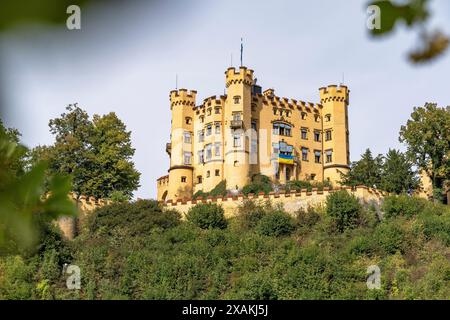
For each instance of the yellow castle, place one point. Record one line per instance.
(249, 131)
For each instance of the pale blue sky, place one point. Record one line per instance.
(125, 57)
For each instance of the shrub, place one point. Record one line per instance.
(219, 190)
(207, 215)
(276, 223)
(308, 217)
(260, 183)
(344, 209)
(136, 218)
(435, 226)
(250, 213)
(389, 236)
(402, 205)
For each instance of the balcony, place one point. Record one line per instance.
(168, 148)
(237, 124)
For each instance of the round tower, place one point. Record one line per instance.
(237, 118)
(180, 147)
(336, 149)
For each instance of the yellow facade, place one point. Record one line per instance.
(247, 131)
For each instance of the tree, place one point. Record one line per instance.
(112, 169)
(397, 173)
(366, 171)
(344, 209)
(96, 154)
(427, 137)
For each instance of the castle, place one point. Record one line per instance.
(249, 131)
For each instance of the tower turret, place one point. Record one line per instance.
(237, 126)
(180, 147)
(335, 100)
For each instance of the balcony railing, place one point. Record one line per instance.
(237, 124)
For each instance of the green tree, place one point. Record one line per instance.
(207, 215)
(366, 171)
(427, 137)
(397, 173)
(96, 154)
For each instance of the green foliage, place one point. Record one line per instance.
(389, 237)
(131, 219)
(22, 197)
(427, 137)
(397, 175)
(219, 190)
(308, 217)
(344, 209)
(402, 205)
(296, 185)
(260, 183)
(250, 213)
(96, 154)
(275, 224)
(366, 171)
(206, 216)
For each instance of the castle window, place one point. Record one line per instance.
(201, 157)
(328, 117)
(304, 133)
(274, 111)
(329, 154)
(217, 110)
(208, 129)
(217, 127)
(201, 135)
(288, 113)
(316, 118)
(199, 179)
(217, 172)
(254, 125)
(187, 137)
(188, 120)
(305, 154)
(202, 119)
(276, 149)
(208, 112)
(281, 112)
(317, 136)
(281, 129)
(317, 155)
(183, 179)
(237, 99)
(207, 174)
(217, 149)
(236, 140)
(235, 163)
(253, 107)
(313, 176)
(236, 116)
(303, 115)
(328, 135)
(208, 149)
(187, 157)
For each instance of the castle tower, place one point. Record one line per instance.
(180, 147)
(237, 125)
(336, 150)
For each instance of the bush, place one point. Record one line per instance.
(260, 183)
(438, 227)
(276, 223)
(389, 236)
(402, 205)
(250, 213)
(131, 219)
(344, 209)
(308, 185)
(219, 190)
(207, 215)
(308, 217)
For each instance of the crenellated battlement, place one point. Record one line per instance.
(334, 93)
(182, 97)
(291, 201)
(217, 100)
(282, 102)
(244, 76)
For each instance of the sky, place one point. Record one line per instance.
(126, 57)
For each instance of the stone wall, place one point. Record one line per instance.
(70, 226)
(291, 201)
